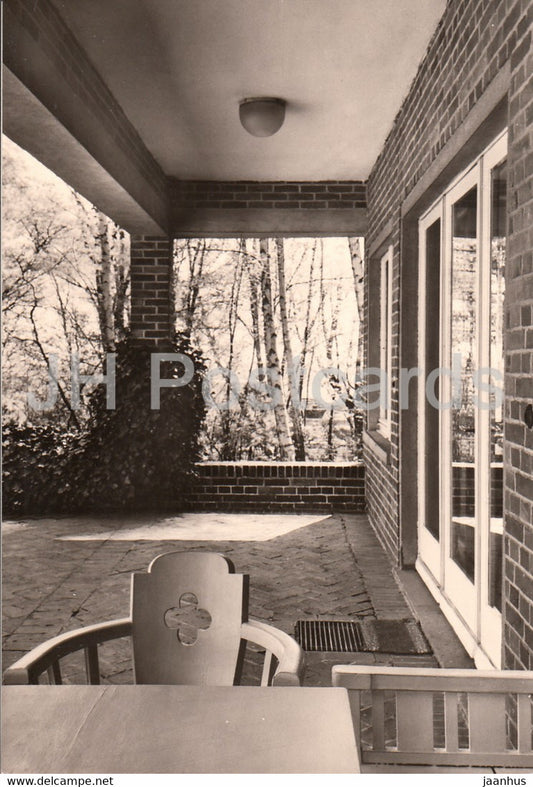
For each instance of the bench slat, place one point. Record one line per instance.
(524, 722)
(486, 714)
(414, 719)
(451, 721)
(378, 721)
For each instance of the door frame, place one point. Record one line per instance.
(478, 626)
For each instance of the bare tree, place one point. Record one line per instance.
(122, 282)
(254, 274)
(358, 270)
(273, 370)
(258, 304)
(229, 441)
(103, 276)
(66, 275)
(73, 418)
(294, 411)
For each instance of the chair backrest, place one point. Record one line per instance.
(187, 612)
(440, 716)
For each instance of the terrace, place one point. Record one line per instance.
(426, 547)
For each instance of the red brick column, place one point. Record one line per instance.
(152, 297)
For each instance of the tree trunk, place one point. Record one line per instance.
(229, 443)
(286, 447)
(121, 288)
(254, 311)
(358, 270)
(330, 340)
(294, 411)
(103, 288)
(307, 328)
(196, 259)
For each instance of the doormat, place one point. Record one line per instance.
(397, 637)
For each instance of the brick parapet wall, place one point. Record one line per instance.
(474, 44)
(283, 487)
(152, 304)
(336, 194)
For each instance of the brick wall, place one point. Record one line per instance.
(473, 41)
(383, 477)
(236, 195)
(382, 503)
(518, 545)
(152, 312)
(477, 44)
(272, 486)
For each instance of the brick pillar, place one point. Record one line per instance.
(152, 297)
(518, 538)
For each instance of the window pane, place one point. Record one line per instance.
(463, 350)
(385, 340)
(433, 264)
(497, 292)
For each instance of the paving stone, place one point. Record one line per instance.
(332, 569)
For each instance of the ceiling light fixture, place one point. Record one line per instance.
(262, 117)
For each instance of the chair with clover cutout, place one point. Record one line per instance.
(188, 625)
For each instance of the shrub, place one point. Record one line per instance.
(33, 465)
(129, 458)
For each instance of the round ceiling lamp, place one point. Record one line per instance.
(262, 117)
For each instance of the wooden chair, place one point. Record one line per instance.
(442, 717)
(189, 625)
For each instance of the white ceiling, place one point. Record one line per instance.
(179, 68)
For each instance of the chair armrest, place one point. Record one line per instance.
(32, 664)
(288, 653)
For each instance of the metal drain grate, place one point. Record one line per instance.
(399, 637)
(343, 636)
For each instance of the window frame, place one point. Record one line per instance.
(385, 343)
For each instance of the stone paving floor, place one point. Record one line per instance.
(331, 568)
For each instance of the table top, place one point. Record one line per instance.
(176, 729)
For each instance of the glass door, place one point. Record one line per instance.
(461, 284)
(494, 179)
(459, 417)
(429, 531)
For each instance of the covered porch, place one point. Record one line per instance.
(136, 106)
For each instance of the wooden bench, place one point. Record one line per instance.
(439, 717)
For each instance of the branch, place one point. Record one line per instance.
(46, 359)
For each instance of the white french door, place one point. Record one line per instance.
(461, 280)
(431, 229)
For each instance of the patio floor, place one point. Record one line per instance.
(59, 574)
